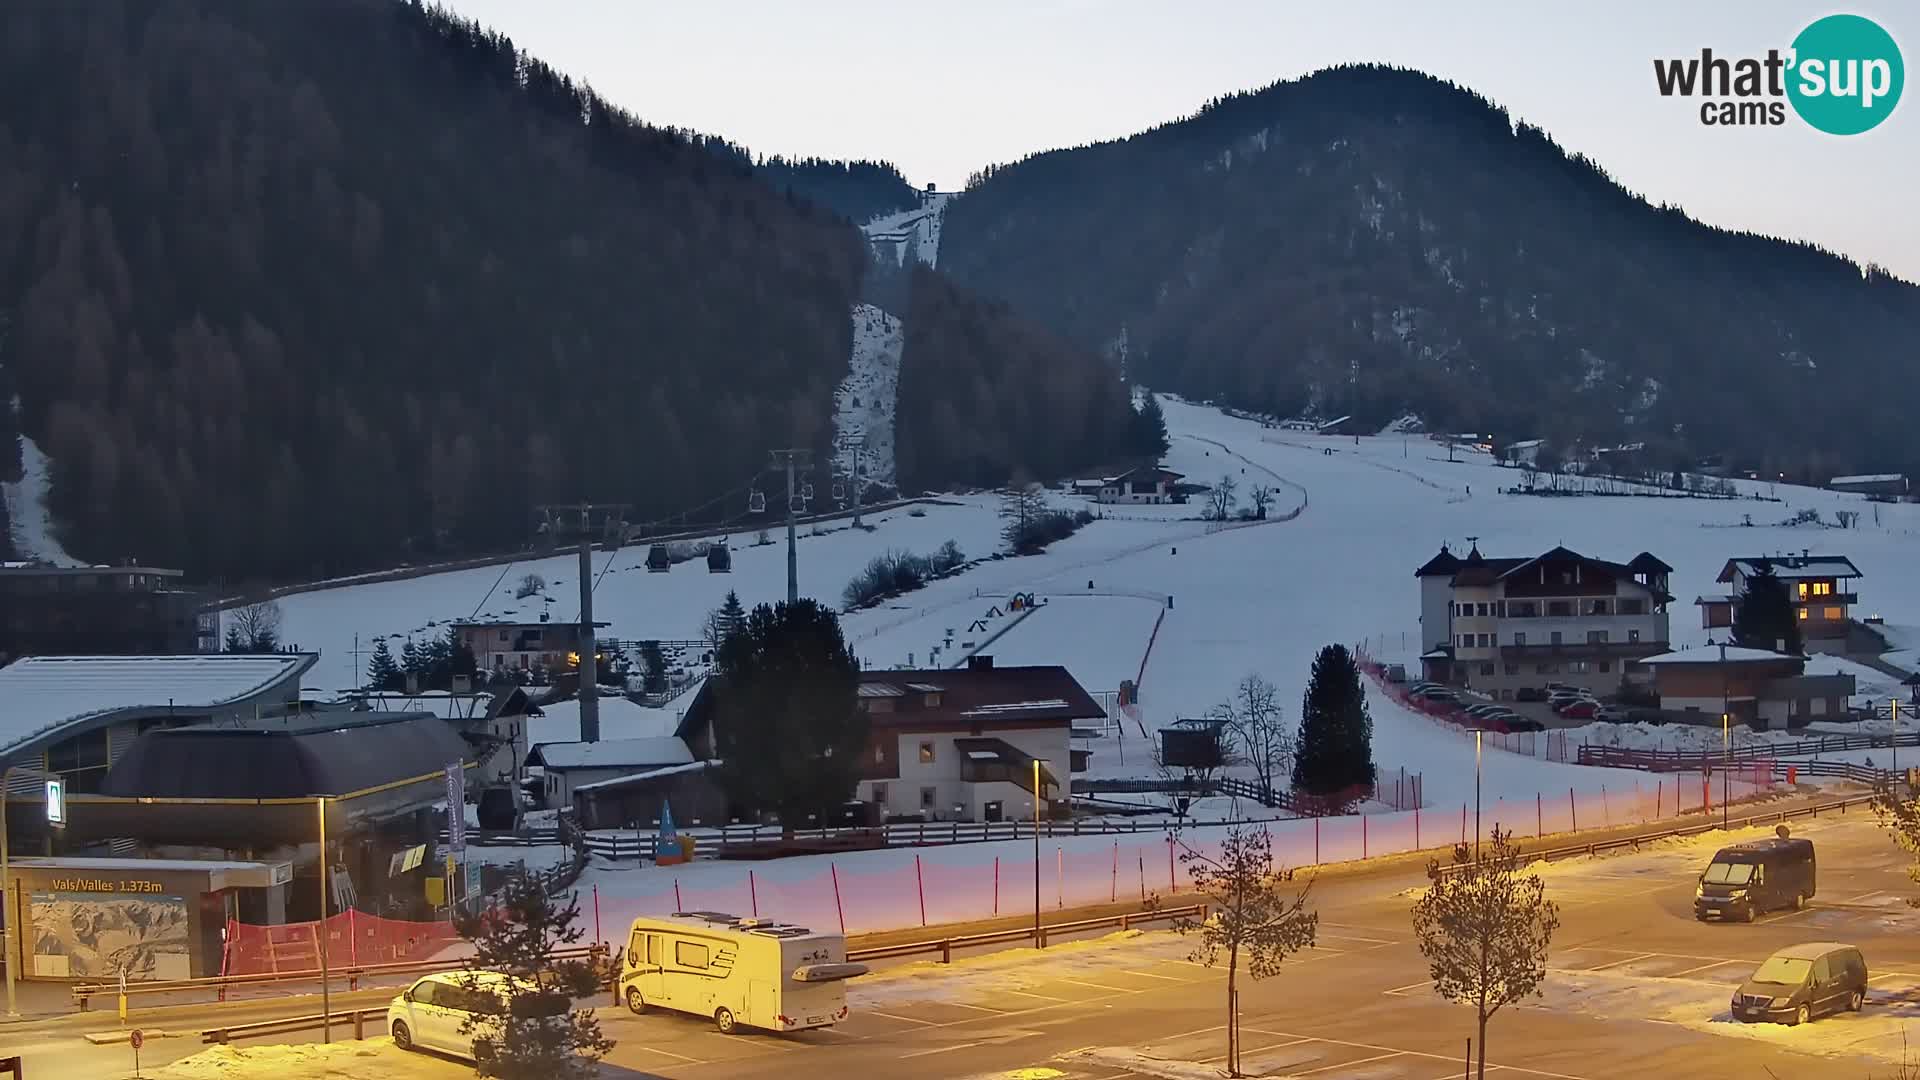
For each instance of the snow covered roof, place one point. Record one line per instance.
(1711, 654)
(1791, 567)
(1869, 478)
(41, 696)
(611, 754)
(1526, 444)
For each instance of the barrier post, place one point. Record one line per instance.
(1416, 826)
(678, 906)
(1316, 839)
(1606, 815)
(1363, 836)
(753, 898)
(838, 910)
(1659, 798)
(920, 883)
(353, 941)
(1059, 878)
(996, 884)
(1173, 884)
(1539, 818)
(1114, 889)
(1143, 879)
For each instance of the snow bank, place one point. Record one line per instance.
(309, 1061)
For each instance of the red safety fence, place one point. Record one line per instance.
(1545, 745)
(353, 938)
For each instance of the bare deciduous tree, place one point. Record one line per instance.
(1256, 723)
(1484, 927)
(1899, 815)
(1261, 496)
(254, 627)
(1221, 500)
(530, 585)
(1253, 914)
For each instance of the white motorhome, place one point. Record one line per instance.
(739, 972)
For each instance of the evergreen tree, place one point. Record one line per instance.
(458, 659)
(1334, 756)
(1149, 428)
(234, 642)
(1763, 617)
(382, 672)
(786, 728)
(413, 659)
(654, 677)
(526, 1020)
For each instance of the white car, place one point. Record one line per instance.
(445, 1011)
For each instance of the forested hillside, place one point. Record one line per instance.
(315, 285)
(1374, 241)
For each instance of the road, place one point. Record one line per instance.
(1636, 984)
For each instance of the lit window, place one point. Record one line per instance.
(1835, 613)
(926, 753)
(1803, 590)
(1803, 614)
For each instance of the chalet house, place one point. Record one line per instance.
(1145, 485)
(955, 745)
(1891, 485)
(567, 766)
(1750, 684)
(125, 610)
(1499, 625)
(523, 646)
(1820, 586)
(1524, 452)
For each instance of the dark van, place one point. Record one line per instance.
(1801, 982)
(1747, 879)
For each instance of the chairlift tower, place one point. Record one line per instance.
(854, 445)
(792, 460)
(585, 513)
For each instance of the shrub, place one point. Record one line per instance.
(895, 572)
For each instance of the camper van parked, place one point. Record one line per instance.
(1746, 880)
(738, 972)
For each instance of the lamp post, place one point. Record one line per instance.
(1894, 704)
(6, 892)
(1039, 941)
(1726, 735)
(1476, 794)
(320, 930)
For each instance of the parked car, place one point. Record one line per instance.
(1437, 693)
(448, 1011)
(1488, 709)
(1801, 982)
(1646, 716)
(1582, 709)
(1614, 714)
(1521, 723)
(1746, 880)
(1530, 693)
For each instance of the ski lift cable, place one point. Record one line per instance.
(496, 585)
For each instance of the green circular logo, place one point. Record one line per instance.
(1846, 75)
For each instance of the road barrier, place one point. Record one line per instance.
(288, 1025)
(1039, 935)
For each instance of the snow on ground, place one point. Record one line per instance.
(865, 401)
(911, 234)
(638, 604)
(1102, 639)
(619, 719)
(32, 529)
(310, 1061)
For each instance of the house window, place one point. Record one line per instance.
(1466, 641)
(1559, 607)
(1596, 637)
(1555, 637)
(1519, 637)
(1577, 667)
(505, 636)
(1486, 641)
(1630, 606)
(690, 954)
(1606, 666)
(1481, 609)
(1835, 613)
(1633, 635)
(929, 797)
(1803, 614)
(1486, 669)
(926, 753)
(1803, 590)
(1513, 669)
(879, 754)
(1547, 669)
(1597, 607)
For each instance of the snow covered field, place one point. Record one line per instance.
(1259, 598)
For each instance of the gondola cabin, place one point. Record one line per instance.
(658, 562)
(719, 558)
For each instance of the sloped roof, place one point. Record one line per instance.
(1791, 567)
(611, 754)
(42, 696)
(1711, 654)
(335, 759)
(1444, 563)
(1001, 696)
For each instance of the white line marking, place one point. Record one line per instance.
(1167, 978)
(1345, 1064)
(977, 1008)
(671, 1054)
(1262, 1049)
(902, 1019)
(1410, 1053)
(1096, 986)
(1616, 963)
(1031, 994)
(1702, 967)
(1409, 986)
(941, 1050)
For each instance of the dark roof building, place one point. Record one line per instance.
(126, 610)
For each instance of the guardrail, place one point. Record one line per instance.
(287, 1025)
(714, 843)
(84, 993)
(1620, 757)
(1634, 841)
(945, 946)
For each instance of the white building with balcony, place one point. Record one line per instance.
(1500, 625)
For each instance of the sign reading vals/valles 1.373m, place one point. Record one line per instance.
(104, 885)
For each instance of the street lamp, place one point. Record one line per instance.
(1726, 747)
(1039, 941)
(6, 893)
(1476, 794)
(320, 930)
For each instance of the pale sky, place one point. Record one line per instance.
(941, 90)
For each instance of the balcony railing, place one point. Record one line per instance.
(1830, 598)
(1575, 614)
(1629, 649)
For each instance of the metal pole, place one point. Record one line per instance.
(1726, 733)
(1895, 702)
(320, 930)
(589, 645)
(1038, 941)
(1476, 795)
(793, 560)
(6, 893)
(857, 447)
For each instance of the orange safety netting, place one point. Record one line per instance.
(352, 939)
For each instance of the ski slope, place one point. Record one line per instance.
(1350, 523)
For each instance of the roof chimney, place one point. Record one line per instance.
(979, 662)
